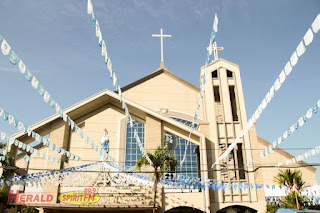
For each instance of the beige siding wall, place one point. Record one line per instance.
(153, 133)
(94, 124)
(275, 157)
(163, 91)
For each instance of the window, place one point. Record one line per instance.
(240, 162)
(233, 103)
(185, 122)
(178, 145)
(229, 74)
(132, 148)
(216, 93)
(215, 74)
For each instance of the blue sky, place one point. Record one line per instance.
(57, 42)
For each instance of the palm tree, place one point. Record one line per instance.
(285, 178)
(163, 161)
(292, 200)
(293, 179)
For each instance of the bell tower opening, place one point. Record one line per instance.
(233, 103)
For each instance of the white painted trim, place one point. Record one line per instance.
(115, 96)
(203, 153)
(119, 137)
(169, 110)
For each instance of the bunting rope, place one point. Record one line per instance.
(312, 152)
(3, 152)
(14, 59)
(300, 50)
(38, 177)
(85, 175)
(20, 126)
(294, 127)
(26, 148)
(202, 83)
(114, 78)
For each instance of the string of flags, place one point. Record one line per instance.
(82, 175)
(19, 125)
(294, 127)
(122, 175)
(3, 152)
(202, 83)
(30, 77)
(308, 154)
(300, 50)
(104, 52)
(27, 148)
(39, 177)
(201, 183)
(310, 200)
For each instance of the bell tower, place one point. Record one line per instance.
(225, 114)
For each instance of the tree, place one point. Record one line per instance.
(272, 208)
(293, 179)
(8, 162)
(293, 200)
(163, 161)
(285, 178)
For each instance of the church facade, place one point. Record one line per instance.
(162, 105)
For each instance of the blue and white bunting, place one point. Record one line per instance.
(294, 127)
(113, 76)
(14, 59)
(275, 87)
(202, 83)
(298, 158)
(22, 127)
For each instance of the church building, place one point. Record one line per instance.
(162, 105)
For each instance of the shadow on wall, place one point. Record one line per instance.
(237, 209)
(185, 209)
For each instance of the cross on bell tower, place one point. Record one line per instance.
(215, 50)
(161, 41)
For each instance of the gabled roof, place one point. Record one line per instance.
(286, 154)
(156, 73)
(97, 101)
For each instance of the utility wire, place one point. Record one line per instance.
(187, 171)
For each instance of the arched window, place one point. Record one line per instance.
(132, 148)
(178, 145)
(185, 122)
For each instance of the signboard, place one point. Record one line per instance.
(15, 197)
(118, 195)
(86, 197)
